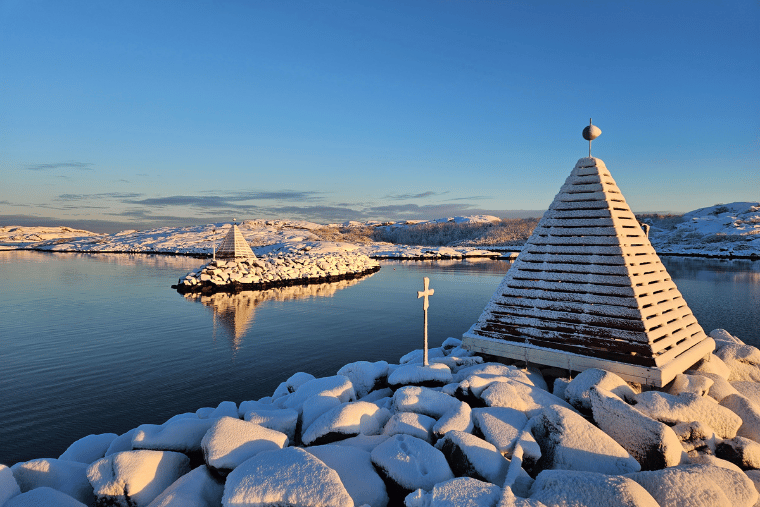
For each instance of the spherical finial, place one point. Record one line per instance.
(591, 132)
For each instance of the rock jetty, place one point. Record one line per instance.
(463, 431)
(276, 270)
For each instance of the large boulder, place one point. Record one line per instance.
(135, 478)
(748, 412)
(586, 489)
(451, 413)
(410, 423)
(346, 420)
(198, 488)
(419, 375)
(8, 485)
(289, 476)
(742, 452)
(282, 420)
(500, 426)
(470, 456)
(653, 444)
(43, 497)
(336, 386)
(688, 407)
(88, 449)
(577, 391)
(751, 390)
(178, 435)
(685, 383)
(230, 441)
(365, 376)
(459, 492)
(742, 360)
(526, 398)
(570, 442)
(69, 477)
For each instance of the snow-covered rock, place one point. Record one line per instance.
(412, 424)
(292, 384)
(459, 492)
(135, 478)
(178, 435)
(695, 384)
(121, 443)
(720, 387)
(43, 497)
(570, 442)
(364, 442)
(224, 409)
(358, 475)
(585, 489)
(407, 463)
(470, 456)
(653, 444)
(698, 486)
(282, 420)
(346, 420)
(500, 426)
(577, 391)
(337, 386)
(197, 488)
(751, 390)
(742, 360)
(365, 376)
(230, 441)
(695, 436)
(289, 476)
(526, 398)
(748, 412)
(88, 449)
(8, 485)
(415, 374)
(742, 452)
(69, 477)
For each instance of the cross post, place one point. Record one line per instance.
(425, 293)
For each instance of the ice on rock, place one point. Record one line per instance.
(121, 443)
(364, 442)
(577, 391)
(500, 426)
(688, 407)
(336, 386)
(197, 488)
(749, 389)
(292, 384)
(740, 451)
(720, 387)
(748, 412)
(135, 478)
(359, 477)
(8, 485)
(282, 420)
(43, 497)
(470, 456)
(316, 406)
(415, 374)
(528, 399)
(290, 476)
(365, 376)
(179, 435)
(570, 442)
(695, 384)
(585, 489)
(88, 449)
(698, 486)
(653, 444)
(231, 441)
(408, 463)
(346, 420)
(459, 492)
(410, 423)
(69, 477)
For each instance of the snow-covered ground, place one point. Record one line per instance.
(460, 432)
(723, 230)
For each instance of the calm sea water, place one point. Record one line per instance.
(94, 344)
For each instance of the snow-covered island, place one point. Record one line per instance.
(461, 432)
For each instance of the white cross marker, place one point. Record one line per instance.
(427, 292)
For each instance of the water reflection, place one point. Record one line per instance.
(235, 313)
(181, 263)
(713, 270)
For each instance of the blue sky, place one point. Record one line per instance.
(136, 114)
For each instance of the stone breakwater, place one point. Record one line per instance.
(461, 431)
(276, 270)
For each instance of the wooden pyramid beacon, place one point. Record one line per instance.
(234, 245)
(589, 291)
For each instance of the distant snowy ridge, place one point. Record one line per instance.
(722, 230)
(459, 432)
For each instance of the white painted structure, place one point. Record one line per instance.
(234, 245)
(589, 291)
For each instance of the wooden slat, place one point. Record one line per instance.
(600, 290)
(564, 214)
(576, 241)
(607, 260)
(603, 310)
(551, 315)
(560, 329)
(563, 267)
(576, 297)
(574, 278)
(671, 354)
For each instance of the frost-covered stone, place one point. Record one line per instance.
(289, 476)
(687, 407)
(470, 456)
(695, 384)
(358, 475)
(408, 463)
(653, 444)
(69, 477)
(88, 449)
(365, 376)
(8, 485)
(346, 420)
(197, 488)
(528, 399)
(43, 497)
(230, 441)
(742, 452)
(748, 412)
(135, 478)
(570, 442)
(577, 391)
(698, 486)
(410, 423)
(459, 492)
(282, 420)
(586, 489)
(500, 426)
(415, 374)
(178, 435)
